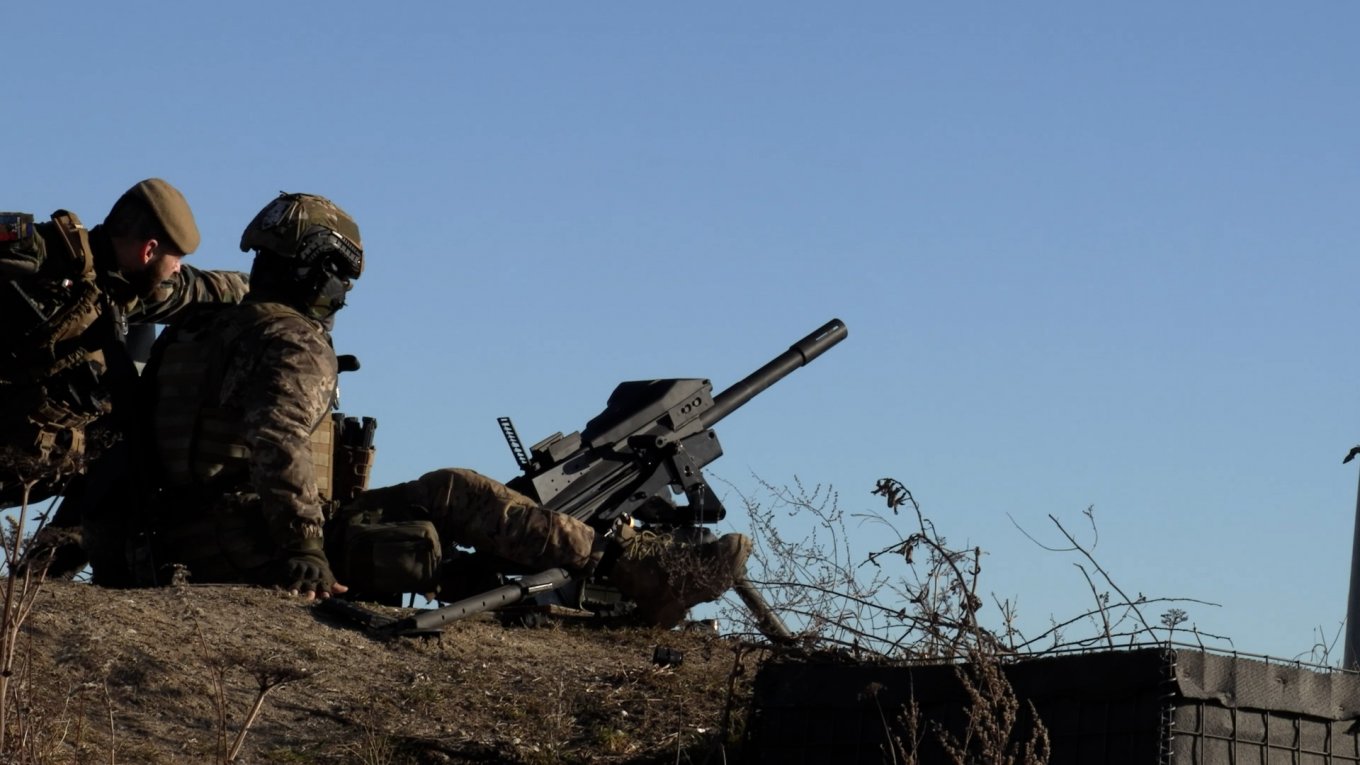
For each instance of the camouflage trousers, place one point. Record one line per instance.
(470, 510)
(229, 540)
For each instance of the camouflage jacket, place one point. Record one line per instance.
(188, 289)
(26, 263)
(246, 389)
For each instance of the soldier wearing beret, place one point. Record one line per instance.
(67, 298)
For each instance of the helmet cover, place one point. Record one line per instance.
(309, 228)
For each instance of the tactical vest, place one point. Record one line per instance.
(50, 365)
(199, 442)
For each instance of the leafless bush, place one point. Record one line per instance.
(831, 599)
(21, 729)
(999, 729)
(1118, 619)
(1323, 650)
(918, 597)
(813, 582)
(995, 733)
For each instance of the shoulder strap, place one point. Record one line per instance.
(77, 241)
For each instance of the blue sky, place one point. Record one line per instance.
(1088, 254)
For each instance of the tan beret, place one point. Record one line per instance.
(169, 208)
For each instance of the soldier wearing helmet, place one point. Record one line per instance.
(241, 412)
(308, 253)
(244, 445)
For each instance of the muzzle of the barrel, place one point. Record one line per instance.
(798, 354)
(820, 342)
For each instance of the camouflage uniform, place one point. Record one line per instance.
(237, 398)
(272, 371)
(245, 447)
(53, 388)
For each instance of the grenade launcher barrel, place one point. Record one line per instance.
(798, 354)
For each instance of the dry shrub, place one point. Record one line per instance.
(995, 733)
(28, 730)
(918, 599)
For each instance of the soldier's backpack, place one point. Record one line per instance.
(50, 366)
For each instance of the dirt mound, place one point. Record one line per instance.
(172, 675)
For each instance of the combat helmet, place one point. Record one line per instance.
(308, 251)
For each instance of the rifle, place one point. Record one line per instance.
(652, 441)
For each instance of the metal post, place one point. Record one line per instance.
(1353, 601)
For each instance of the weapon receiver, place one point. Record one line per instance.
(653, 434)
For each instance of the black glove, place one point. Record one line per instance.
(305, 570)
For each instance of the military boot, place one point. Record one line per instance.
(665, 577)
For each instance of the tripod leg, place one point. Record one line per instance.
(769, 623)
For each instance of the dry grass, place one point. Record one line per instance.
(480, 692)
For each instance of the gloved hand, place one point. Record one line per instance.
(306, 571)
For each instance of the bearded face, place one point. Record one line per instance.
(154, 272)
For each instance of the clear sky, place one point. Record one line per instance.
(1088, 253)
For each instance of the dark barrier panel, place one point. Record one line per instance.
(1146, 706)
